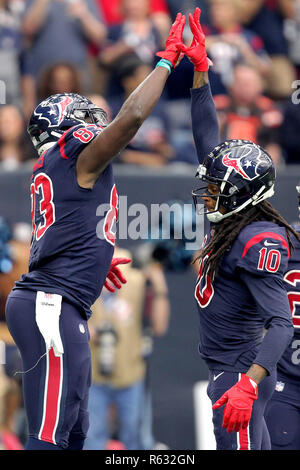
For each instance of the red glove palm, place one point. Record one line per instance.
(197, 51)
(171, 52)
(239, 401)
(115, 275)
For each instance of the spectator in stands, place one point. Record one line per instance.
(180, 133)
(14, 255)
(112, 12)
(188, 6)
(150, 146)
(58, 30)
(61, 77)
(3, 389)
(291, 29)
(136, 35)
(228, 43)
(14, 144)
(245, 113)
(119, 369)
(289, 132)
(10, 48)
(267, 19)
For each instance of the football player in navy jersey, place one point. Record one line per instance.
(283, 410)
(72, 247)
(245, 324)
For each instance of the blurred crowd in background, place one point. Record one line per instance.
(104, 48)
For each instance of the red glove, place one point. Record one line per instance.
(197, 51)
(171, 53)
(239, 401)
(115, 275)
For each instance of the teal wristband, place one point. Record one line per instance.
(165, 63)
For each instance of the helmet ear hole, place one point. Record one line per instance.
(245, 191)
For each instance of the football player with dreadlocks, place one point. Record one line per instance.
(74, 212)
(283, 410)
(239, 291)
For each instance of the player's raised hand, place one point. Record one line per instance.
(197, 50)
(238, 401)
(115, 274)
(171, 52)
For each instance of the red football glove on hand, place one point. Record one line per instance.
(197, 51)
(239, 401)
(115, 275)
(171, 53)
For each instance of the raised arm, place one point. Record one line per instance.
(35, 17)
(204, 116)
(96, 156)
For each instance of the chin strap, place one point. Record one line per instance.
(215, 217)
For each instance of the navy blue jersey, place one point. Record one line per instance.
(246, 297)
(73, 227)
(289, 365)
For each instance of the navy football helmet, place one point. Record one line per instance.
(53, 116)
(244, 173)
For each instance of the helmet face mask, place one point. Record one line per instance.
(53, 116)
(244, 174)
(221, 201)
(87, 114)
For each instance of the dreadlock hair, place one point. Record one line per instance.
(227, 231)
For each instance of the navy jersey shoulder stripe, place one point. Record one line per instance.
(62, 142)
(259, 237)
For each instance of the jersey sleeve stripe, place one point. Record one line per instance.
(61, 144)
(258, 238)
